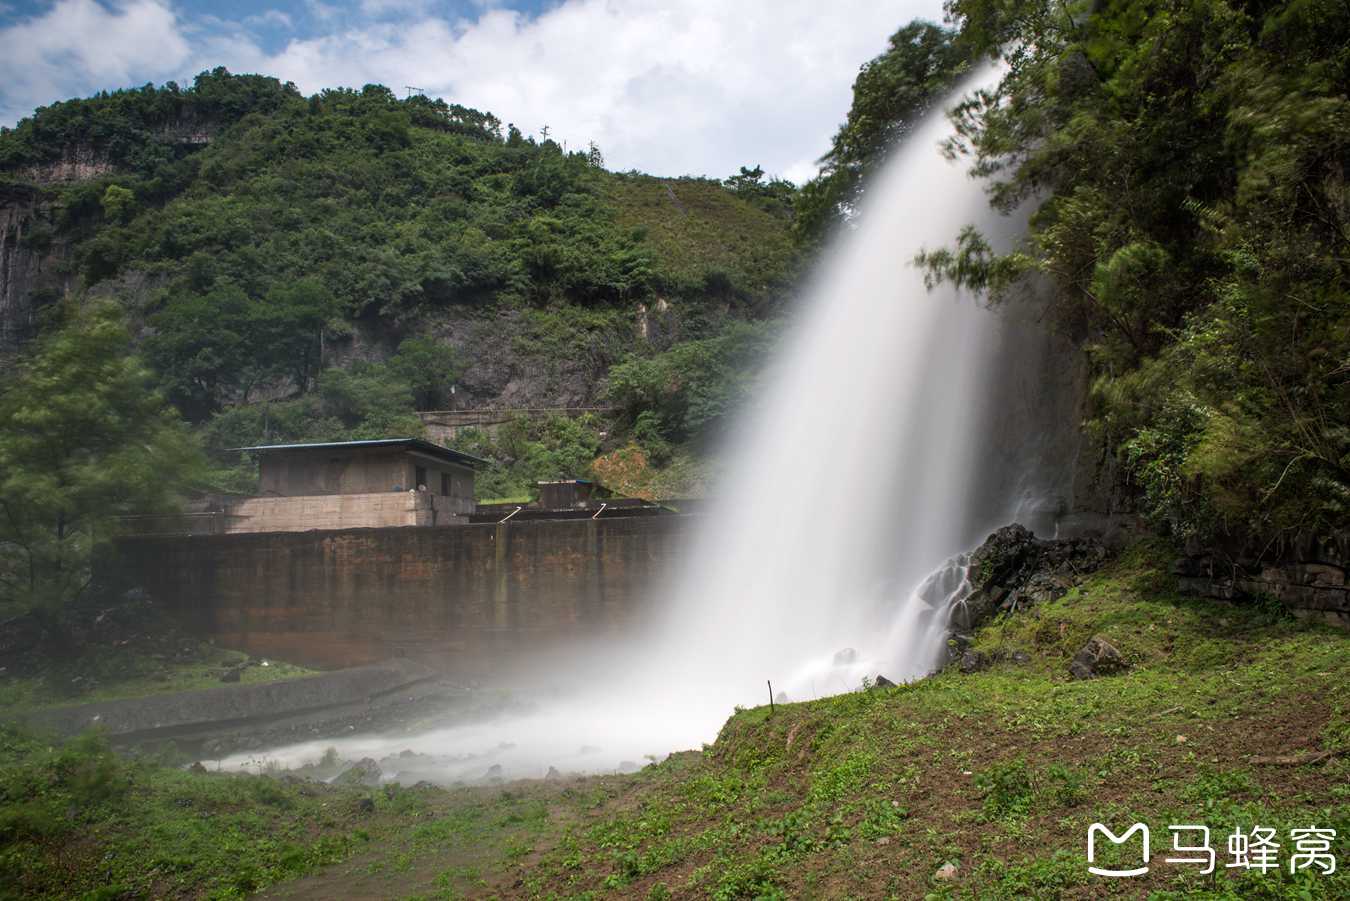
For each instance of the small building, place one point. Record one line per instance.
(572, 494)
(366, 467)
(354, 484)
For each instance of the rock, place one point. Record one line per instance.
(493, 772)
(883, 682)
(1013, 570)
(231, 675)
(973, 662)
(364, 772)
(1021, 658)
(957, 642)
(946, 872)
(197, 768)
(365, 805)
(1097, 658)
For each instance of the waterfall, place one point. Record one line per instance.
(857, 474)
(896, 428)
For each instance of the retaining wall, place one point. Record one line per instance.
(467, 596)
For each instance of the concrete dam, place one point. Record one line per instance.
(471, 598)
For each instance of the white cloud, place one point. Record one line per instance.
(274, 18)
(78, 46)
(684, 86)
(690, 86)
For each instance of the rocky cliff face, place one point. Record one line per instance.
(29, 263)
(1307, 576)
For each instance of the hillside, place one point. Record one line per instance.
(1227, 716)
(262, 244)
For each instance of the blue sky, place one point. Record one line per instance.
(677, 87)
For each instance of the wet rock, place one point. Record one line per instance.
(1013, 570)
(197, 767)
(883, 682)
(1097, 658)
(365, 806)
(973, 662)
(364, 772)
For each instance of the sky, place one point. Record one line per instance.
(682, 87)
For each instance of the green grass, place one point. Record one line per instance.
(108, 674)
(869, 794)
(697, 227)
(1001, 772)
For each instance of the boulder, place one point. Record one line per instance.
(1097, 658)
(973, 662)
(364, 772)
(883, 682)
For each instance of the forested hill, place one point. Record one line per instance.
(271, 246)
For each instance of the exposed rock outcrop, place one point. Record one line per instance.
(29, 258)
(1014, 569)
(1309, 579)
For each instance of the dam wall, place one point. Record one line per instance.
(467, 598)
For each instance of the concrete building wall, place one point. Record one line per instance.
(470, 598)
(306, 473)
(340, 511)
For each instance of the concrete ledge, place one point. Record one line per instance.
(216, 708)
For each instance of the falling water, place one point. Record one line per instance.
(897, 427)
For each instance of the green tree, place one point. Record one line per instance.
(429, 368)
(1188, 166)
(118, 203)
(84, 438)
(891, 93)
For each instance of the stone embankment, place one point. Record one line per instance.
(1309, 579)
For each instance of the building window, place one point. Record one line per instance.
(445, 485)
(421, 477)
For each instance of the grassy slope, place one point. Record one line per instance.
(695, 226)
(863, 795)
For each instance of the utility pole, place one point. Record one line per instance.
(410, 89)
(544, 131)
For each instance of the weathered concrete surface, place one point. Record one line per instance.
(469, 597)
(187, 712)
